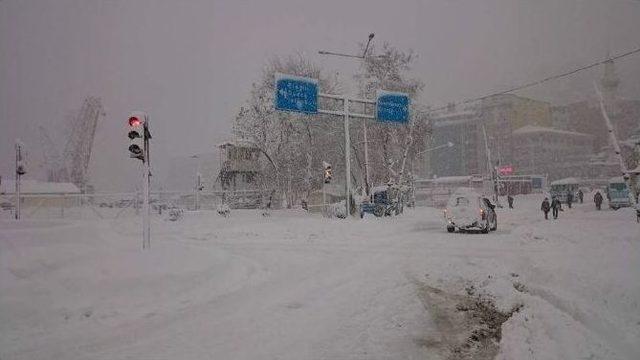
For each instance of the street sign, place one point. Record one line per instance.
(392, 107)
(296, 93)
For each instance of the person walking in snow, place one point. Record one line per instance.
(545, 207)
(580, 195)
(569, 198)
(510, 201)
(555, 207)
(597, 198)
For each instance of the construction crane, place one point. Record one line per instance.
(77, 152)
(74, 164)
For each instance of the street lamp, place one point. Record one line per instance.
(364, 122)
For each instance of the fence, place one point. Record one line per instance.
(114, 205)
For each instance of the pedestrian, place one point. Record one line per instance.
(637, 211)
(545, 207)
(555, 207)
(597, 198)
(510, 201)
(580, 196)
(569, 198)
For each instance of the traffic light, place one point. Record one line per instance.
(20, 167)
(328, 172)
(137, 134)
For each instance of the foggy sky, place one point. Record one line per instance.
(190, 64)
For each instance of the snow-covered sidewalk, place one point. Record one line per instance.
(294, 286)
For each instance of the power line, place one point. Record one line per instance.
(538, 82)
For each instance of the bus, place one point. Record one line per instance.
(618, 193)
(560, 189)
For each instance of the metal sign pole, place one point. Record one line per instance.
(347, 154)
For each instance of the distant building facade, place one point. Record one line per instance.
(463, 130)
(534, 136)
(499, 115)
(555, 153)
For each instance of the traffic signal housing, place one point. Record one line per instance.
(137, 134)
(20, 166)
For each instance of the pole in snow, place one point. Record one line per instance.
(347, 154)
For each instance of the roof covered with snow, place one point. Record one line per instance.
(565, 181)
(531, 129)
(38, 187)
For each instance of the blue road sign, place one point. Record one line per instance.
(392, 107)
(296, 93)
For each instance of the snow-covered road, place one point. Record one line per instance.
(294, 286)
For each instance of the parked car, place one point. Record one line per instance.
(468, 210)
(387, 200)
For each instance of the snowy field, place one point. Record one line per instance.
(295, 286)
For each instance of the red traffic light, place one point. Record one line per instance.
(134, 121)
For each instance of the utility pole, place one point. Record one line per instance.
(490, 168)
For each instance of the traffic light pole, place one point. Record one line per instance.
(146, 222)
(18, 175)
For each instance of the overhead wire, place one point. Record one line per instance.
(538, 82)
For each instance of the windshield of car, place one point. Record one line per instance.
(618, 186)
(461, 201)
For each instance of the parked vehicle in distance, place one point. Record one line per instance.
(468, 210)
(560, 189)
(387, 200)
(618, 193)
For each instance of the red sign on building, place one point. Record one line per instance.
(505, 170)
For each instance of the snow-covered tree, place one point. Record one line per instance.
(396, 146)
(294, 144)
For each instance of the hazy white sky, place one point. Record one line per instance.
(190, 63)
